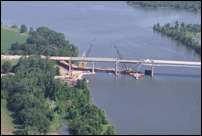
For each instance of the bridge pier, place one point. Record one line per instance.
(116, 68)
(70, 65)
(93, 68)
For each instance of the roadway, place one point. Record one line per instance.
(141, 61)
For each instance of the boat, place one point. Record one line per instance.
(137, 75)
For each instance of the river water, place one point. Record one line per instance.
(167, 103)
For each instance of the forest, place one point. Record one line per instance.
(40, 39)
(181, 33)
(187, 5)
(37, 99)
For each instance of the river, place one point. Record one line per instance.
(167, 103)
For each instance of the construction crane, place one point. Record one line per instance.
(82, 64)
(49, 47)
(120, 56)
(124, 70)
(87, 54)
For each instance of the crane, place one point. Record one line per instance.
(87, 54)
(49, 47)
(120, 56)
(82, 64)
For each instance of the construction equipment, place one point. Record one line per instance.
(83, 64)
(124, 70)
(120, 56)
(49, 47)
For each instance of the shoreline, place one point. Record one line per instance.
(71, 80)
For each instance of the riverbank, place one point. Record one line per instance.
(181, 34)
(71, 78)
(180, 5)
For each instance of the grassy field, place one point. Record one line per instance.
(9, 36)
(7, 121)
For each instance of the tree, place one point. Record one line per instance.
(6, 67)
(23, 28)
(195, 7)
(28, 130)
(167, 25)
(14, 26)
(158, 25)
(176, 25)
(31, 30)
(183, 24)
(4, 94)
(154, 27)
(57, 71)
(164, 30)
(111, 130)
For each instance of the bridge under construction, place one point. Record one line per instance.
(148, 62)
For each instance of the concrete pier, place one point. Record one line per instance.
(152, 69)
(93, 68)
(116, 68)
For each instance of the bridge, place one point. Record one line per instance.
(148, 62)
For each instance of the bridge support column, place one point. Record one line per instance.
(70, 65)
(152, 69)
(116, 68)
(93, 68)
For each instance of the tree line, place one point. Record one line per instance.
(36, 98)
(23, 28)
(40, 39)
(180, 33)
(188, 5)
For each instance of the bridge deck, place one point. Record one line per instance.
(142, 61)
(87, 68)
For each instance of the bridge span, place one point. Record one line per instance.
(148, 62)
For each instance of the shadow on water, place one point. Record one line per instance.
(177, 75)
(161, 74)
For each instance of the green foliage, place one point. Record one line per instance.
(83, 116)
(8, 118)
(26, 91)
(81, 83)
(39, 100)
(57, 70)
(6, 67)
(31, 30)
(31, 130)
(44, 37)
(23, 29)
(176, 25)
(111, 130)
(34, 117)
(14, 26)
(167, 25)
(183, 24)
(56, 122)
(4, 94)
(188, 5)
(184, 35)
